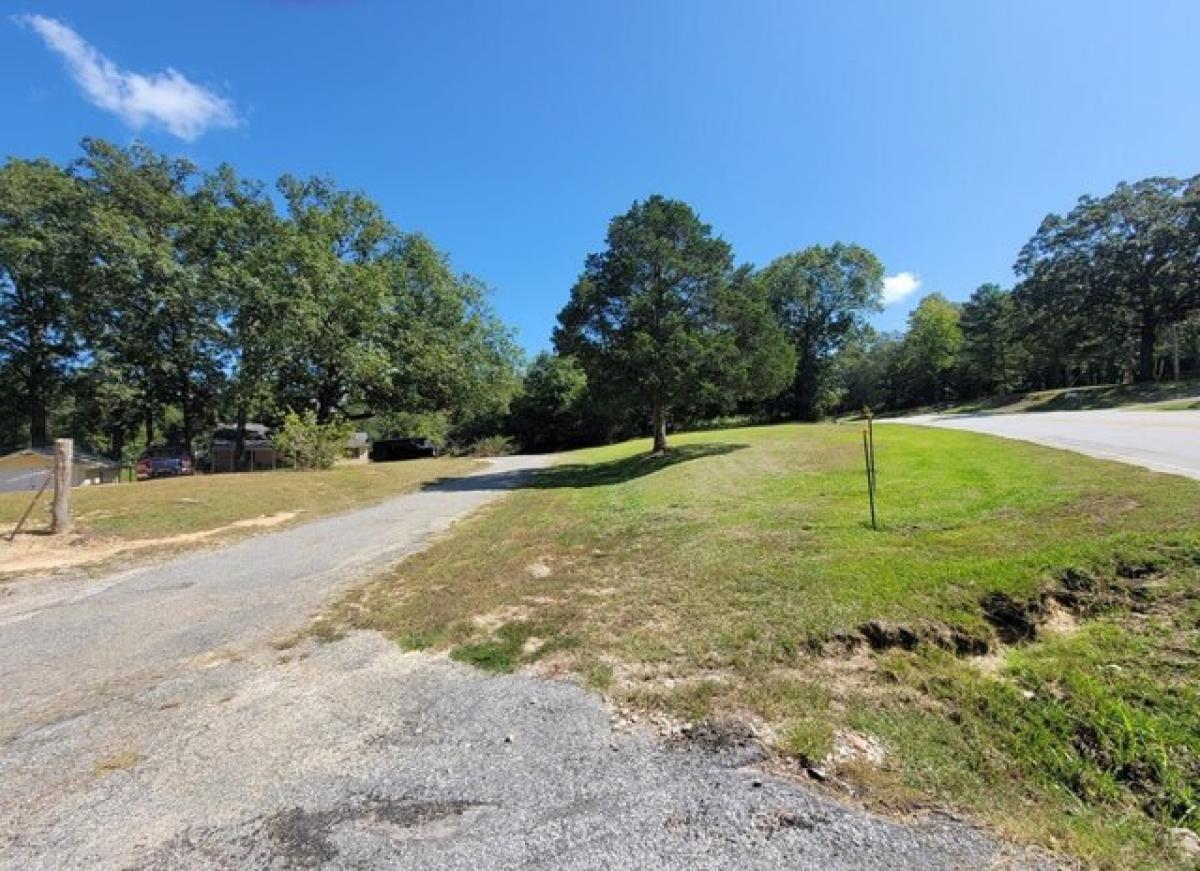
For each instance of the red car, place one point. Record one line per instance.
(164, 461)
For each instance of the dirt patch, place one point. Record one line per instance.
(884, 635)
(495, 619)
(40, 553)
(1014, 620)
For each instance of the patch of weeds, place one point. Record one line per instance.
(417, 640)
(597, 675)
(121, 761)
(505, 650)
(492, 655)
(693, 700)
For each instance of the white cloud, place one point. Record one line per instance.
(897, 287)
(168, 99)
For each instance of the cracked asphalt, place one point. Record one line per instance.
(147, 722)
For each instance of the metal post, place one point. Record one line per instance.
(870, 477)
(64, 451)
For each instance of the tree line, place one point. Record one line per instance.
(663, 325)
(142, 300)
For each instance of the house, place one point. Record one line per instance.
(258, 451)
(28, 468)
(358, 447)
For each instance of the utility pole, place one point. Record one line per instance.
(64, 451)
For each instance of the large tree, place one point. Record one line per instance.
(657, 319)
(1128, 262)
(821, 297)
(41, 266)
(148, 310)
(990, 357)
(929, 351)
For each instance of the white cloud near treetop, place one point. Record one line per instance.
(167, 99)
(897, 287)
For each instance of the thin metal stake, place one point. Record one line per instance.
(871, 438)
(870, 477)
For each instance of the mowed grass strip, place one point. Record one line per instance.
(731, 577)
(174, 506)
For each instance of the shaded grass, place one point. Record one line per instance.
(153, 509)
(723, 578)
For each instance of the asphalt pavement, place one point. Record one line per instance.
(149, 720)
(1165, 441)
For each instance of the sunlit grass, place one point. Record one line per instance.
(726, 577)
(155, 509)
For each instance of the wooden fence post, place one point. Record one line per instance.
(64, 472)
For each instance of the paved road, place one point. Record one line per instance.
(1166, 441)
(146, 722)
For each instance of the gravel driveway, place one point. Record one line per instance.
(1166, 441)
(148, 722)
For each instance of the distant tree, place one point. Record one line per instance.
(990, 356)
(821, 297)
(929, 352)
(147, 310)
(656, 319)
(335, 350)
(860, 371)
(238, 247)
(1128, 262)
(549, 412)
(41, 267)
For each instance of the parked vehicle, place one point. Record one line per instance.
(164, 461)
(387, 450)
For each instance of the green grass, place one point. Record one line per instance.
(166, 507)
(1163, 396)
(731, 577)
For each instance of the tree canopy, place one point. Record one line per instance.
(142, 299)
(658, 317)
(821, 297)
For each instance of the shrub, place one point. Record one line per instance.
(311, 445)
(492, 446)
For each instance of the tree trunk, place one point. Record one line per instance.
(185, 406)
(659, 424)
(239, 443)
(1175, 351)
(1146, 337)
(39, 432)
(118, 443)
(149, 419)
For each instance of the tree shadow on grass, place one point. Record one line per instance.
(574, 475)
(625, 469)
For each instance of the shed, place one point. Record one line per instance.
(358, 447)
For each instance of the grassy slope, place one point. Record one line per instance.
(710, 581)
(1164, 396)
(154, 509)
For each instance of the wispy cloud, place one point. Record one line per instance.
(167, 99)
(897, 287)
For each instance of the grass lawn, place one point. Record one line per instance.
(1020, 635)
(174, 506)
(1162, 396)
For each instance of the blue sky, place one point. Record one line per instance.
(938, 134)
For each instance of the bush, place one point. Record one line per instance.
(307, 444)
(492, 446)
